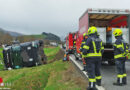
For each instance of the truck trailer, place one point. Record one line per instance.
(106, 20)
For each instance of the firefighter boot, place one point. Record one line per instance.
(125, 80)
(98, 82)
(119, 82)
(92, 86)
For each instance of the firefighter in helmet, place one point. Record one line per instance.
(74, 43)
(85, 36)
(120, 54)
(92, 50)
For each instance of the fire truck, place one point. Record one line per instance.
(71, 43)
(106, 21)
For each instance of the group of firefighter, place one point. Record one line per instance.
(92, 49)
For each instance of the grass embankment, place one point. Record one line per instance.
(53, 53)
(53, 76)
(1, 60)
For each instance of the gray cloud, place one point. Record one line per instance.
(56, 16)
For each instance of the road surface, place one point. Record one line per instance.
(109, 75)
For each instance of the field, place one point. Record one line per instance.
(56, 75)
(38, 36)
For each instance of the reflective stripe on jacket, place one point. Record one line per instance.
(120, 48)
(81, 47)
(93, 47)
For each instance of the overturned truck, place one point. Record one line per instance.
(24, 55)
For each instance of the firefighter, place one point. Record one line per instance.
(85, 36)
(74, 43)
(92, 50)
(120, 54)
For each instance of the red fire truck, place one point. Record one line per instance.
(106, 20)
(70, 43)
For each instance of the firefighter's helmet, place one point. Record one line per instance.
(117, 32)
(85, 34)
(92, 30)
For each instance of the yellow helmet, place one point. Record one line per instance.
(92, 30)
(117, 32)
(85, 34)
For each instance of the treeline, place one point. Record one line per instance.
(50, 36)
(6, 38)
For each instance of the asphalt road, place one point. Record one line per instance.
(109, 76)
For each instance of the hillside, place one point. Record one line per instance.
(8, 36)
(47, 37)
(50, 36)
(13, 34)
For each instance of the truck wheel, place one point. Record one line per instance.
(112, 62)
(77, 58)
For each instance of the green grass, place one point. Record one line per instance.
(35, 36)
(56, 81)
(1, 59)
(38, 36)
(44, 77)
(33, 78)
(30, 78)
(51, 52)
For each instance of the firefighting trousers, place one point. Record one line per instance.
(93, 68)
(120, 66)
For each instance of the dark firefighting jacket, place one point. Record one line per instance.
(81, 47)
(120, 48)
(93, 47)
(82, 44)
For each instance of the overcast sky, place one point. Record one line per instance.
(56, 16)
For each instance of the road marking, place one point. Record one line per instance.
(85, 73)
